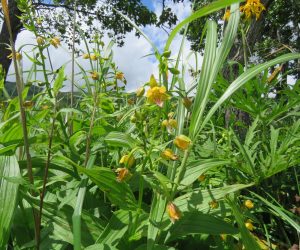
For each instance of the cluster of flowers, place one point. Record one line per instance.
(251, 8)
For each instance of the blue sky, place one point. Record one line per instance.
(148, 3)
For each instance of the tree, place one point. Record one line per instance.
(276, 32)
(57, 17)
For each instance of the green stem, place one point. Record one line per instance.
(181, 172)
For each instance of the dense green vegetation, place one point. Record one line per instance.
(167, 167)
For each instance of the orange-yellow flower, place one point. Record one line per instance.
(120, 75)
(123, 174)
(226, 15)
(173, 211)
(157, 95)
(182, 142)
(248, 204)
(95, 75)
(169, 155)
(249, 225)
(55, 41)
(251, 8)
(127, 160)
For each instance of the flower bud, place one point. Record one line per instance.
(248, 204)
(153, 82)
(173, 212)
(169, 155)
(249, 225)
(40, 40)
(95, 75)
(165, 123)
(201, 178)
(140, 92)
(55, 41)
(213, 204)
(123, 174)
(120, 75)
(187, 102)
(93, 57)
(182, 142)
(85, 56)
(166, 54)
(173, 123)
(127, 160)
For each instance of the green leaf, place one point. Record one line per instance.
(199, 167)
(212, 64)
(157, 211)
(76, 218)
(119, 193)
(243, 79)
(116, 227)
(119, 139)
(58, 84)
(198, 223)
(9, 167)
(199, 199)
(248, 241)
(281, 212)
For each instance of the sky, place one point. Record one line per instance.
(131, 59)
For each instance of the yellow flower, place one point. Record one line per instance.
(182, 142)
(201, 177)
(249, 204)
(214, 204)
(55, 42)
(226, 15)
(85, 56)
(93, 57)
(249, 225)
(169, 155)
(157, 95)
(173, 211)
(123, 174)
(120, 75)
(127, 160)
(40, 40)
(140, 92)
(251, 8)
